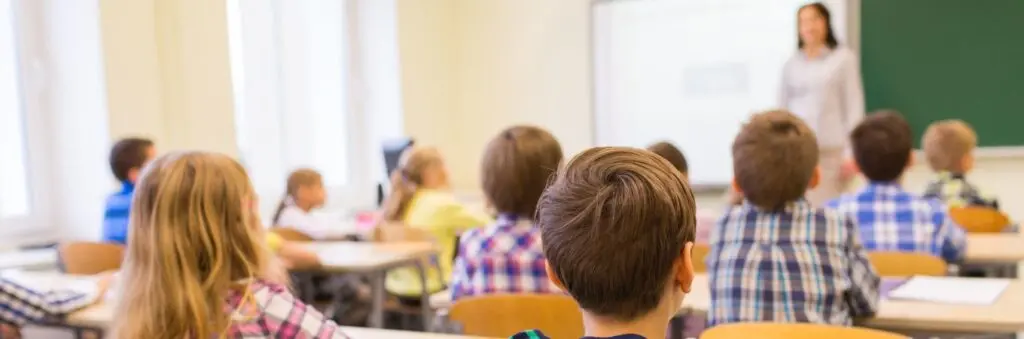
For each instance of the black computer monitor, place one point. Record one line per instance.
(392, 154)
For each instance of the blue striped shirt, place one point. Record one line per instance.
(115, 219)
(797, 264)
(891, 219)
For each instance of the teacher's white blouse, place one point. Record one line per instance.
(827, 92)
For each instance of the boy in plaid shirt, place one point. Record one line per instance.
(618, 231)
(775, 257)
(506, 257)
(888, 217)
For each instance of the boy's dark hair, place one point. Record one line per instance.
(516, 167)
(672, 154)
(613, 222)
(774, 157)
(127, 154)
(881, 145)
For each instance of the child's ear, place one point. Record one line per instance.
(133, 175)
(684, 269)
(967, 163)
(911, 159)
(815, 178)
(553, 277)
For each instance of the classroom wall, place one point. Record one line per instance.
(527, 62)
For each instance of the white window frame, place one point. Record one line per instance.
(30, 53)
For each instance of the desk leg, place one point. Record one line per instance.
(424, 297)
(377, 318)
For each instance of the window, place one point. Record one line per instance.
(14, 188)
(298, 85)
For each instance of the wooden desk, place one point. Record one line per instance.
(363, 257)
(1001, 317)
(374, 260)
(45, 258)
(371, 333)
(999, 248)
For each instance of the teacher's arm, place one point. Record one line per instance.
(783, 98)
(853, 92)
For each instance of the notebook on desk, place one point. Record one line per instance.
(950, 290)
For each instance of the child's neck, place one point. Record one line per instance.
(652, 325)
(305, 207)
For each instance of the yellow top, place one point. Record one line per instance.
(439, 213)
(274, 241)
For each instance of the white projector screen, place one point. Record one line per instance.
(690, 72)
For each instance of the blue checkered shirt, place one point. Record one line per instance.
(796, 264)
(891, 219)
(506, 257)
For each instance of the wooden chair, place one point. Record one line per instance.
(291, 234)
(979, 219)
(87, 258)
(502, 315)
(793, 331)
(905, 264)
(700, 254)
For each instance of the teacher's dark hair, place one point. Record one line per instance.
(830, 37)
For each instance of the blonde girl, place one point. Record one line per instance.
(420, 198)
(196, 264)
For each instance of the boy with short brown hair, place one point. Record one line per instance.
(507, 257)
(888, 217)
(776, 236)
(618, 227)
(949, 148)
(127, 157)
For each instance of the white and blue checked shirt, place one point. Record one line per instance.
(21, 304)
(891, 219)
(798, 264)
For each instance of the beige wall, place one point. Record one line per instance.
(470, 68)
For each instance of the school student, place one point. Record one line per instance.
(775, 257)
(949, 148)
(618, 227)
(890, 218)
(420, 198)
(506, 256)
(705, 219)
(304, 192)
(127, 158)
(196, 264)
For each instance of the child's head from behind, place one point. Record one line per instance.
(949, 146)
(671, 153)
(194, 234)
(128, 156)
(882, 146)
(516, 167)
(617, 225)
(306, 187)
(420, 167)
(775, 159)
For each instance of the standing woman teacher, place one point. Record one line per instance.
(821, 83)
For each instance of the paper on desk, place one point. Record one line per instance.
(951, 290)
(45, 282)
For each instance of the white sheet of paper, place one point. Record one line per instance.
(951, 290)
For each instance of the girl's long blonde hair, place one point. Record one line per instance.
(299, 178)
(406, 179)
(194, 235)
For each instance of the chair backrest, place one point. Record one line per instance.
(291, 234)
(502, 315)
(793, 331)
(700, 254)
(979, 219)
(399, 232)
(905, 264)
(89, 258)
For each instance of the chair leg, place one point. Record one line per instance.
(425, 311)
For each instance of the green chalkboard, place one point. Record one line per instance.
(941, 59)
